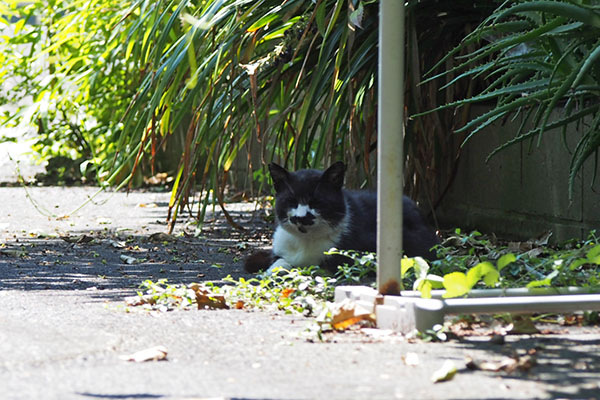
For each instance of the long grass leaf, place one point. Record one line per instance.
(564, 9)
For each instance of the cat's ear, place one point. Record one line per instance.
(280, 176)
(334, 175)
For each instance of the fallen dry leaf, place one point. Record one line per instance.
(77, 239)
(522, 325)
(134, 301)
(378, 333)
(160, 178)
(525, 363)
(156, 353)
(349, 313)
(128, 259)
(507, 364)
(207, 299)
(542, 240)
(161, 237)
(13, 253)
(534, 247)
(148, 205)
(535, 252)
(239, 304)
(445, 373)
(493, 366)
(117, 245)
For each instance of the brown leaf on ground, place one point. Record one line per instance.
(161, 237)
(239, 305)
(507, 364)
(156, 353)
(134, 301)
(207, 299)
(533, 247)
(80, 239)
(348, 313)
(160, 178)
(148, 205)
(522, 325)
(542, 239)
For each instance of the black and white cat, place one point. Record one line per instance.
(315, 213)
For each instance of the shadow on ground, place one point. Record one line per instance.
(103, 260)
(567, 365)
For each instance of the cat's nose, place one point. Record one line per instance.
(308, 219)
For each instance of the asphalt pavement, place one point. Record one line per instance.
(65, 329)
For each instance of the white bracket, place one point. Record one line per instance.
(407, 312)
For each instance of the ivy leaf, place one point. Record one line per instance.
(547, 281)
(593, 255)
(406, 264)
(505, 260)
(578, 263)
(437, 282)
(483, 270)
(425, 289)
(456, 284)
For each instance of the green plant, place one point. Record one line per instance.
(234, 83)
(541, 59)
(67, 72)
(277, 80)
(361, 267)
(287, 76)
(295, 290)
(468, 261)
(437, 333)
(162, 296)
(307, 292)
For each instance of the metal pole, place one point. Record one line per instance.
(389, 145)
(530, 304)
(512, 292)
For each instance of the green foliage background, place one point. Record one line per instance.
(542, 59)
(228, 85)
(65, 58)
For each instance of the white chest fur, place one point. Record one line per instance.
(301, 250)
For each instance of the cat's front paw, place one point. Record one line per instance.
(279, 264)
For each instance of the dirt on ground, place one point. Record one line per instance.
(65, 331)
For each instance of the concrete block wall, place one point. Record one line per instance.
(523, 190)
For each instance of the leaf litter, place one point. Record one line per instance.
(156, 353)
(445, 373)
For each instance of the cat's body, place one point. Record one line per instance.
(315, 213)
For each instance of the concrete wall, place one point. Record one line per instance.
(523, 191)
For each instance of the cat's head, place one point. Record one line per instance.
(309, 201)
